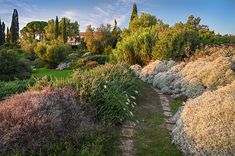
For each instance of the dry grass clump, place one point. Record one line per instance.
(214, 52)
(207, 124)
(190, 79)
(148, 72)
(31, 119)
(204, 74)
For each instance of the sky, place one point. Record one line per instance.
(219, 15)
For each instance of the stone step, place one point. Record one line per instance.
(127, 132)
(167, 114)
(169, 121)
(166, 108)
(127, 146)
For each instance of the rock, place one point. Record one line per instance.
(63, 65)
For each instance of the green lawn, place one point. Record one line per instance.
(57, 74)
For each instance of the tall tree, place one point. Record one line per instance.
(15, 27)
(64, 33)
(134, 13)
(8, 36)
(56, 27)
(3, 32)
(116, 34)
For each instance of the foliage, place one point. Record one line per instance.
(28, 47)
(39, 117)
(177, 43)
(63, 32)
(85, 143)
(14, 27)
(101, 59)
(104, 36)
(136, 48)
(52, 53)
(134, 13)
(57, 32)
(12, 67)
(111, 88)
(33, 30)
(13, 87)
(2, 33)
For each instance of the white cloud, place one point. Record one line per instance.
(71, 14)
(103, 13)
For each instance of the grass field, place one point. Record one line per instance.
(57, 74)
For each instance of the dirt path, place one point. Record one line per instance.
(149, 134)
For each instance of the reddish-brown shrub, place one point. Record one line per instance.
(32, 119)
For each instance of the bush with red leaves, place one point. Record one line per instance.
(32, 119)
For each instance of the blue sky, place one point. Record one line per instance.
(219, 15)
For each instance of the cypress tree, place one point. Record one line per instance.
(3, 32)
(134, 13)
(14, 27)
(8, 36)
(56, 28)
(64, 34)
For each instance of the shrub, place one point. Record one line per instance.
(52, 53)
(86, 142)
(136, 48)
(111, 88)
(13, 87)
(206, 125)
(12, 66)
(101, 59)
(176, 43)
(33, 119)
(191, 79)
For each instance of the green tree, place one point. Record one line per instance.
(50, 30)
(116, 32)
(57, 28)
(1, 34)
(34, 30)
(137, 48)
(134, 14)
(64, 32)
(8, 36)
(104, 36)
(14, 27)
(52, 53)
(90, 39)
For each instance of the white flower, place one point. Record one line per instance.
(134, 103)
(127, 103)
(136, 91)
(128, 100)
(105, 86)
(124, 109)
